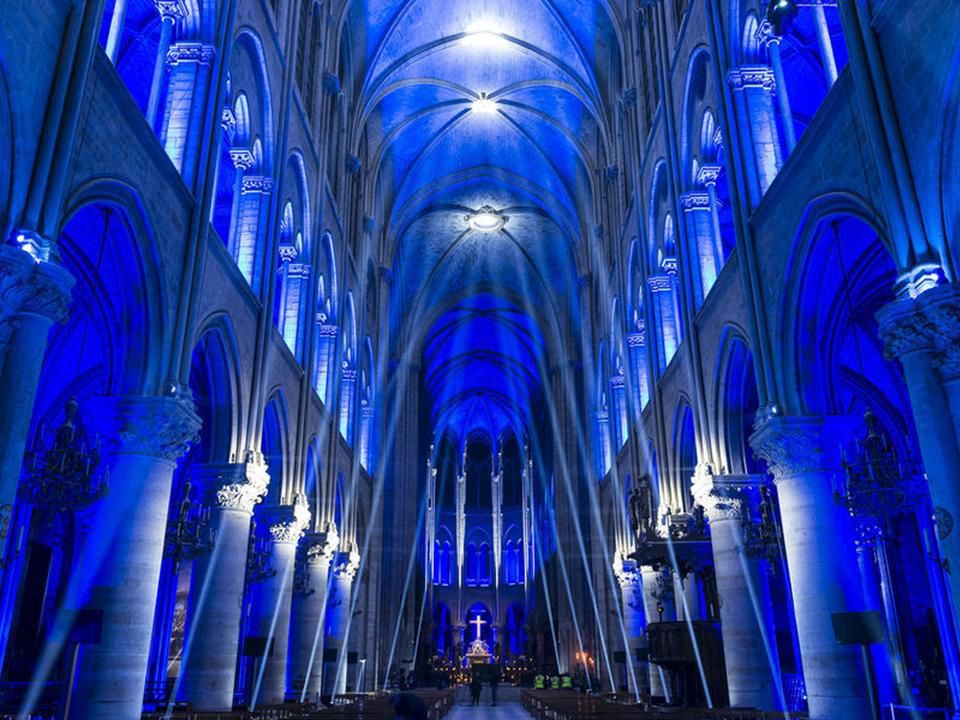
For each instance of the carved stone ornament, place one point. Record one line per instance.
(190, 52)
(149, 425)
(346, 564)
(321, 547)
(695, 202)
(797, 445)
(627, 573)
(256, 184)
(288, 522)
(752, 76)
(37, 288)
(248, 490)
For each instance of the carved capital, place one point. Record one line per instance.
(695, 201)
(346, 564)
(256, 184)
(242, 158)
(233, 487)
(149, 425)
(287, 523)
(903, 329)
(708, 175)
(320, 548)
(190, 52)
(288, 253)
(798, 445)
(33, 288)
(172, 10)
(627, 573)
(752, 76)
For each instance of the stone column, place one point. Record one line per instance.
(345, 566)
(121, 555)
(658, 582)
(634, 624)
(33, 296)
(746, 611)
(753, 87)
(308, 621)
(769, 36)
(171, 12)
(923, 334)
(216, 592)
(272, 600)
(804, 456)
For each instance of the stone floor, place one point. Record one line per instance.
(506, 711)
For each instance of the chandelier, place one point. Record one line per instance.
(189, 535)
(260, 565)
(761, 540)
(65, 476)
(875, 484)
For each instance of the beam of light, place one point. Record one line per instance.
(485, 35)
(287, 573)
(484, 105)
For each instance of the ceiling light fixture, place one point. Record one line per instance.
(486, 220)
(484, 35)
(484, 105)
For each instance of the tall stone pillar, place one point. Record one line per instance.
(753, 87)
(345, 566)
(122, 553)
(659, 606)
(33, 296)
(634, 624)
(924, 335)
(746, 610)
(309, 613)
(804, 456)
(272, 600)
(216, 592)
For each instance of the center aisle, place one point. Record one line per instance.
(506, 711)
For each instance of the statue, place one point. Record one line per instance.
(184, 512)
(639, 507)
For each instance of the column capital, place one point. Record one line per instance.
(149, 425)
(256, 184)
(626, 571)
(242, 158)
(190, 52)
(172, 10)
(346, 564)
(927, 322)
(801, 444)
(724, 497)
(32, 287)
(286, 523)
(752, 76)
(238, 486)
(695, 201)
(320, 547)
(709, 175)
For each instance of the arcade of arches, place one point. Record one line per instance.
(345, 341)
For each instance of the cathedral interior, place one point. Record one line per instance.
(359, 348)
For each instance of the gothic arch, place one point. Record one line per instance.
(806, 379)
(214, 374)
(273, 444)
(684, 456)
(735, 403)
(105, 221)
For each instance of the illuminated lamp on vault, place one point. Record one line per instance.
(486, 220)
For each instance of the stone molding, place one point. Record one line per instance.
(695, 202)
(190, 52)
(752, 76)
(154, 426)
(237, 487)
(320, 548)
(801, 444)
(929, 322)
(256, 184)
(287, 523)
(31, 287)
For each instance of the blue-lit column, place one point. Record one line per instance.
(272, 599)
(746, 610)
(803, 454)
(144, 437)
(700, 229)
(189, 66)
(768, 35)
(345, 566)
(210, 657)
(659, 606)
(634, 623)
(307, 624)
(170, 11)
(753, 87)
(923, 334)
(33, 296)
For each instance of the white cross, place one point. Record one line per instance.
(479, 622)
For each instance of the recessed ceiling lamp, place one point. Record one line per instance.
(484, 34)
(486, 220)
(484, 105)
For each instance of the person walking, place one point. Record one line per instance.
(494, 683)
(476, 687)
